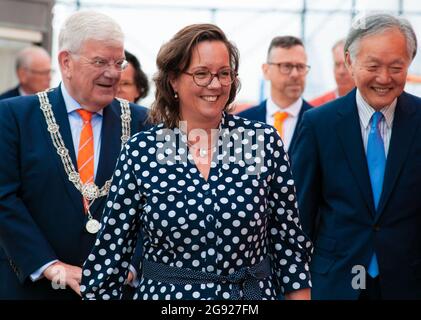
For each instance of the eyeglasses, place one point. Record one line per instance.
(43, 73)
(126, 84)
(203, 78)
(103, 64)
(286, 68)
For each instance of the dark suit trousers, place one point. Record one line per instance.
(372, 291)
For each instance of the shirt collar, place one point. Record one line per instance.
(366, 111)
(293, 109)
(22, 92)
(71, 104)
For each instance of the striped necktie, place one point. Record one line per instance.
(85, 157)
(280, 117)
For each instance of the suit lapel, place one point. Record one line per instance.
(62, 119)
(110, 149)
(15, 92)
(349, 132)
(403, 132)
(261, 112)
(303, 109)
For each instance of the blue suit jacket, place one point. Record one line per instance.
(41, 212)
(259, 113)
(336, 204)
(10, 93)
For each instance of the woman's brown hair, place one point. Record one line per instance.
(173, 58)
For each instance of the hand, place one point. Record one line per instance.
(130, 277)
(62, 274)
(301, 294)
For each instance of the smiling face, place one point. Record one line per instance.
(92, 86)
(380, 67)
(203, 106)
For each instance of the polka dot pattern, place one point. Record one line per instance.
(244, 212)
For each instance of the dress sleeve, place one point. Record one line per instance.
(290, 248)
(106, 269)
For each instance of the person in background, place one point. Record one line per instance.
(33, 70)
(357, 170)
(286, 69)
(344, 81)
(133, 84)
(212, 226)
(59, 149)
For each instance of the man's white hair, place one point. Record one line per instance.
(376, 23)
(25, 57)
(88, 25)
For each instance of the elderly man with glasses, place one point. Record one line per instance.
(286, 69)
(33, 70)
(59, 151)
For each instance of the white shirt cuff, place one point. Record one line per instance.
(38, 274)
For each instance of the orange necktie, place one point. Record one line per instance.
(280, 117)
(85, 157)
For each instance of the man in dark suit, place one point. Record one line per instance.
(56, 146)
(286, 69)
(33, 70)
(357, 171)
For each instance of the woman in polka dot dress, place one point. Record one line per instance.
(209, 195)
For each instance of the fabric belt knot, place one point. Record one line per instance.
(246, 279)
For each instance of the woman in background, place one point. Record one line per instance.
(133, 84)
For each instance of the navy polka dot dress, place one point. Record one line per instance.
(245, 211)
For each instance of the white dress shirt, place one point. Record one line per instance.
(76, 125)
(365, 112)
